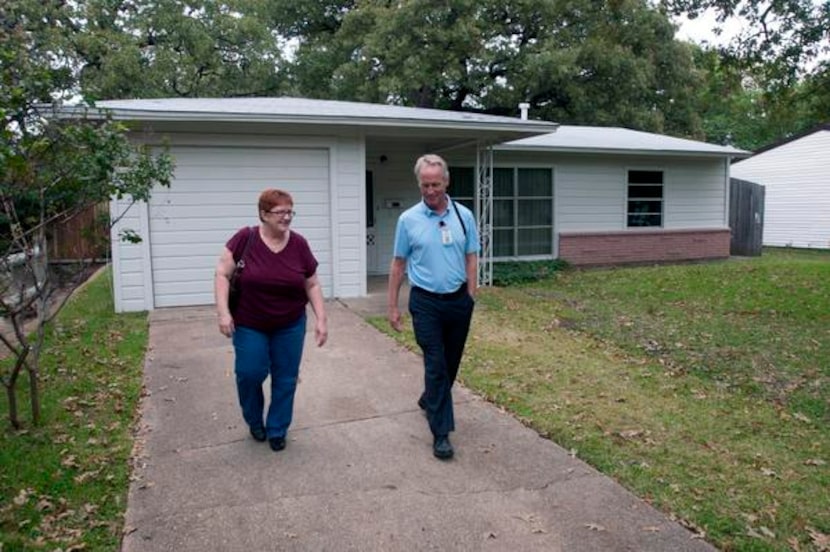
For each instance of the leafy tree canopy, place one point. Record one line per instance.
(52, 166)
(173, 48)
(784, 38)
(575, 62)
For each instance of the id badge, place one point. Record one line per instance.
(446, 236)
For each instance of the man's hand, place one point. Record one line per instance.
(394, 316)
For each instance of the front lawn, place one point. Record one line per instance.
(63, 485)
(703, 388)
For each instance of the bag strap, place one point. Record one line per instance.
(459, 218)
(240, 262)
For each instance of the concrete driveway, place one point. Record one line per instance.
(358, 472)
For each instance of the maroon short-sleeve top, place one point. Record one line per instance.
(272, 285)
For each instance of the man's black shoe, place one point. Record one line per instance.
(442, 448)
(277, 443)
(422, 403)
(258, 433)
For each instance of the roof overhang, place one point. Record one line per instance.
(321, 116)
(626, 151)
(584, 140)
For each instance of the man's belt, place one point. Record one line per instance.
(451, 295)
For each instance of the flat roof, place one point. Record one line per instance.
(309, 111)
(588, 139)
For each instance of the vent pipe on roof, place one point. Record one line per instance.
(523, 107)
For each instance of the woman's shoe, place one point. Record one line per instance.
(258, 433)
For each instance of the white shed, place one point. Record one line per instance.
(796, 176)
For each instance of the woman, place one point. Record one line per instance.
(269, 320)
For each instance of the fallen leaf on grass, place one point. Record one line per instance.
(69, 461)
(814, 462)
(23, 496)
(631, 433)
(86, 476)
(801, 417)
(820, 540)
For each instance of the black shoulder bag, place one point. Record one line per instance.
(233, 286)
(463, 227)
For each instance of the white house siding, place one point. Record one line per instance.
(590, 190)
(348, 174)
(131, 262)
(796, 176)
(696, 193)
(215, 189)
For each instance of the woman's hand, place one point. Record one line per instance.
(321, 332)
(226, 325)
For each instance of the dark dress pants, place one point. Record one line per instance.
(441, 325)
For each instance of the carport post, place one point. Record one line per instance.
(484, 211)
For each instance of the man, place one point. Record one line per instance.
(436, 244)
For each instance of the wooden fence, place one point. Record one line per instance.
(84, 236)
(746, 217)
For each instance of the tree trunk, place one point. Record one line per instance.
(34, 395)
(14, 420)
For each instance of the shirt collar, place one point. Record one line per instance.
(430, 213)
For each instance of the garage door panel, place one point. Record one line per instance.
(212, 197)
(305, 210)
(214, 194)
(191, 274)
(194, 174)
(220, 156)
(209, 237)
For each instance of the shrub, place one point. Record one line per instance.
(519, 272)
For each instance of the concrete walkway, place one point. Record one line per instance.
(358, 472)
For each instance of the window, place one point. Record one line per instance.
(522, 208)
(645, 198)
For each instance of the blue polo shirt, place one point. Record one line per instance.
(430, 263)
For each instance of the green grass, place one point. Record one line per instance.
(703, 388)
(63, 484)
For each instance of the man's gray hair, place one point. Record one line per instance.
(431, 159)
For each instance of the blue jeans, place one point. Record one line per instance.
(441, 326)
(258, 355)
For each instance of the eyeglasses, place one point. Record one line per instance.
(283, 213)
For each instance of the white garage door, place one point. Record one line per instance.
(214, 193)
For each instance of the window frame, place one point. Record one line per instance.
(628, 213)
(515, 200)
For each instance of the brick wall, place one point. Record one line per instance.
(643, 246)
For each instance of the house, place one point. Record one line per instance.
(588, 195)
(624, 196)
(796, 176)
